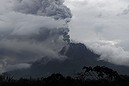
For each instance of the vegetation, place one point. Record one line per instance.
(90, 76)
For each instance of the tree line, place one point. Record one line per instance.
(89, 76)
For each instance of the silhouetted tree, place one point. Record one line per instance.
(109, 77)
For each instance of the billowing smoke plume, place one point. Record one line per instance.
(30, 30)
(52, 8)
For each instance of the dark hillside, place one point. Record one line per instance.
(77, 56)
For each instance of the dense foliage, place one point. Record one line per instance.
(90, 76)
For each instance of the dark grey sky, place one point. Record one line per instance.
(29, 29)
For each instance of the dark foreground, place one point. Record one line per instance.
(96, 76)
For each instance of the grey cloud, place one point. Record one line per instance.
(53, 8)
(110, 53)
(125, 11)
(17, 66)
(87, 27)
(28, 32)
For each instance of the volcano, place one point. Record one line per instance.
(78, 55)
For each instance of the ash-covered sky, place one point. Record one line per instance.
(31, 30)
(104, 26)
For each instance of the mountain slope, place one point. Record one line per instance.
(77, 56)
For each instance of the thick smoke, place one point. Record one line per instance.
(30, 30)
(52, 8)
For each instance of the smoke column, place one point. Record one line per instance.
(31, 30)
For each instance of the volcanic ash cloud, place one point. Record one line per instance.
(30, 30)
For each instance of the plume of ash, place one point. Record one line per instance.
(52, 8)
(30, 30)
